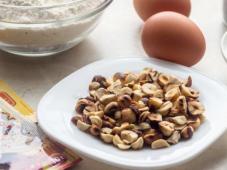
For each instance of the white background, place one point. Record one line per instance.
(118, 35)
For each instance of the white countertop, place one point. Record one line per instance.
(118, 35)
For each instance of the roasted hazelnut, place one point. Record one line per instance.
(125, 91)
(138, 144)
(117, 115)
(135, 109)
(143, 76)
(127, 115)
(144, 109)
(151, 137)
(159, 94)
(123, 146)
(90, 98)
(111, 108)
(124, 126)
(94, 86)
(157, 85)
(106, 130)
(166, 128)
(195, 108)
(117, 130)
(180, 106)
(174, 80)
(86, 119)
(136, 87)
(143, 116)
(137, 130)
(105, 99)
(189, 92)
(160, 143)
(129, 136)
(117, 140)
(149, 89)
(98, 78)
(140, 104)
(170, 87)
(127, 126)
(100, 92)
(81, 104)
(82, 125)
(163, 79)
(188, 82)
(109, 119)
(180, 127)
(115, 87)
(101, 80)
(107, 124)
(187, 132)
(97, 113)
(155, 102)
(144, 126)
(96, 120)
(155, 117)
(149, 131)
(180, 120)
(131, 78)
(95, 130)
(165, 108)
(194, 123)
(124, 101)
(119, 76)
(137, 95)
(202, 118)
(107, 138)
(144, 100)
(88, 109)
(154, 75)
(92, 93)
(99, 106)
(76, 118)
(172, 94)
(174, 138)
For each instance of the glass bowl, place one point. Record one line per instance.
(46, 30)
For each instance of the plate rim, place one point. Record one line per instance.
(120, 164)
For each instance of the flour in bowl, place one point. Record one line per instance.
(45, 13)
(33, 2)
(46, 24)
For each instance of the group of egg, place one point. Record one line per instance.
(168, 33)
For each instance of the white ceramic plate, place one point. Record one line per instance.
(57, 108)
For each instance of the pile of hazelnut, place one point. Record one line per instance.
(132, 110)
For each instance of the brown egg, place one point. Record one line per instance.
(173, 37)
(147, 8)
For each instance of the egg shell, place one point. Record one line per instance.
(147, 8)
(173, 37)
